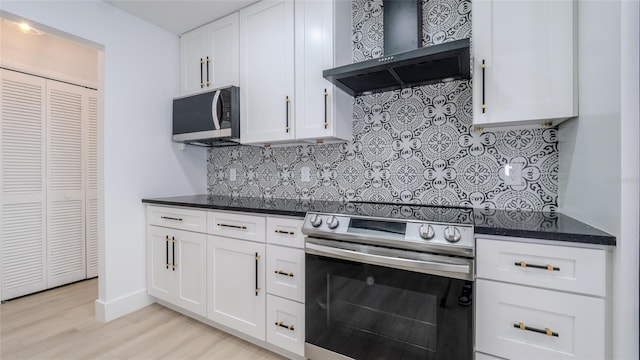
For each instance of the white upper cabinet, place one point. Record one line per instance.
(323, 41)
(524, 55)
(209, 56)
(267, 72)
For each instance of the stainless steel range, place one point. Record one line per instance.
(389, 281)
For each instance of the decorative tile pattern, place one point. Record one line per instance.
(410, 146)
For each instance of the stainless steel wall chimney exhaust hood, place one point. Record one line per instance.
(404, 64)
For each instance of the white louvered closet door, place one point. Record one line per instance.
(65, 184)
(22, 184)
(91, 182)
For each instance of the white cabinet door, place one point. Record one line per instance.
(159, 269)
(236, 284)
(91, 183)
(66, 116)
(189, 259)
(22, 184)
(209, 56)
(323, 112)
(195, 47)
(267, 72)
(530, 72)
(225, 62)
(177, 267)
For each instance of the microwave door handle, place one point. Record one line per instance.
(214, 110)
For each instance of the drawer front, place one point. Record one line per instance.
(177, 218)
(287, 232)
(285, 272)
(285, 324)
(547, 266)
(511, 322)
(234, 225)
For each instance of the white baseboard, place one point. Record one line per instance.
(107, 311)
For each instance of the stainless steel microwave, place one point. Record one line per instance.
(208, 119)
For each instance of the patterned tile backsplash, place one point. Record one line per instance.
(414, 145)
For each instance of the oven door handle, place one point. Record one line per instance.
(439, 267)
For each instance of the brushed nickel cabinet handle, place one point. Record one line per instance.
(520, 325)
(284, 232)
(170, 218)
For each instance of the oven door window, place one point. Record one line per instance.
(371, 312)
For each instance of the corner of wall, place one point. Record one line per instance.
(110, 310)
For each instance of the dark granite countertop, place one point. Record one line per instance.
(524, 224)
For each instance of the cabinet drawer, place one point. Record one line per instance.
(548, 266)
(577, 320)
(177, 218)
(285, 232)
(285, 324)
(239, 226)
(285, 272)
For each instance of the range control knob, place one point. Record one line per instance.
(426, 232)
(452, 234)
(333, 222)
(315, 220)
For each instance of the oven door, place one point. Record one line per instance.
(359, 308)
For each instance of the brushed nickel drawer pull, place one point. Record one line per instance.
(520, 325)
(170, 218)
(233, 226)
(284, 232)
(280, 272)
(290, 327)
(548, 267)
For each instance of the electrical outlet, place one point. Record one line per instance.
(305, 174)
(232, 174)
(512, 174)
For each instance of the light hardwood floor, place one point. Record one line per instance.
(60, 324)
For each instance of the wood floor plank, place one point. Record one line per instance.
(60, 324)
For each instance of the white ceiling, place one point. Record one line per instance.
(179, 16)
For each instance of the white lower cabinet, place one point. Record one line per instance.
(536, 301)
(285, 324)
(236, 284)
(520, 322)
(242, 271)
(177, 267)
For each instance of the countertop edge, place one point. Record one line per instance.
(560, 237)
(227, 208)
(604, 241)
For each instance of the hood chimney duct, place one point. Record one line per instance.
(402, 22)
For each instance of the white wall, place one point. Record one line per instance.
(599, 151)
(140, 78)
